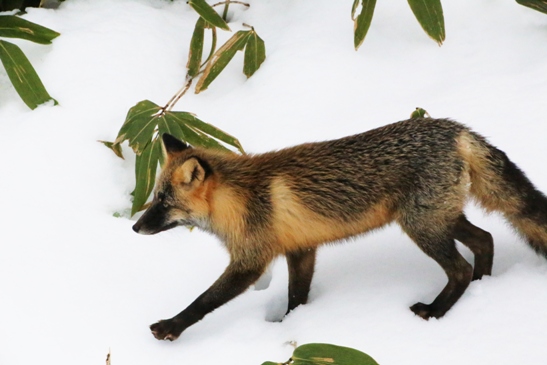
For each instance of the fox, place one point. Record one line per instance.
(418, 173)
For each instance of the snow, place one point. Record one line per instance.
(76, 281)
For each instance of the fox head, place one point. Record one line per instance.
(180, 195)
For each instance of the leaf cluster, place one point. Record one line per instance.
(22, 75)
(248, 40)
(144, 124)
(146, 121)
(428, 13)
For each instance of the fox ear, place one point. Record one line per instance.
(172, 144)
(191, 171)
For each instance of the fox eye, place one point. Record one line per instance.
(162, 200)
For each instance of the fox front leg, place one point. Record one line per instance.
(301, 265)
(229, 285)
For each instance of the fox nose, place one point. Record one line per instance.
(137, 227)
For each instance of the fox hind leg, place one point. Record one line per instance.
(301, 265)
(439, 245)
(479, 242)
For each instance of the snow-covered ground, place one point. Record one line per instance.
(76, 281)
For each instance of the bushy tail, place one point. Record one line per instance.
(499, 185)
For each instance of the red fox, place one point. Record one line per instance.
(418, 173)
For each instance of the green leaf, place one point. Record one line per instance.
(166, 125)
(193, 136)
(271, 363)
(146, 165)
(143, 125)
(363, 20)
(208, 13)
(419, 113)
(539, 5)
(22, 75)
(221, 58)
(196, 48)
(209, 129)
(255, 54)
(326, 354)
(12, 26)
(115, 147)
(139, 125)
(429, 14)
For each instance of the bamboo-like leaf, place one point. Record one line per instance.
(208, 13)
(191, 135)
(139, 125)
(221, 58)
(255, 54)
(196, 48)
(115, 147)
(146, 166)
(361, 24)
(144, 123)
(429, 14)
(419, 113)
(199, 125)
(326, 354)
(539, 5)
(170, 126)
(15, 27)
(22, 75)
(166, 125)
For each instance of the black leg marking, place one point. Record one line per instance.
(301, 266)
(229, 285)
(479, 242)
(459, 274)
(433, 232)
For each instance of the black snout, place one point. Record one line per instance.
(154, 220)
(137, 227)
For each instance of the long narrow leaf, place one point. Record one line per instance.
(139, 125)
(327, 354)
(361, 24)
(539, 5)
(22, 75)
(221, 58)
(196, 48)
(115, 147)
(209, 129)
(170, 126)
(145, 174)
(205, 140)
(255, 54)
(429, 14)
(196, 138)
(167, 125)
(208, 13)
(15, 27)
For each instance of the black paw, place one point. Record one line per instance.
(166, 329)
(426, 311)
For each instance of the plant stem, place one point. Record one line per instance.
(177, 96)
(213, 46)
(231, 2)
(225, 13)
